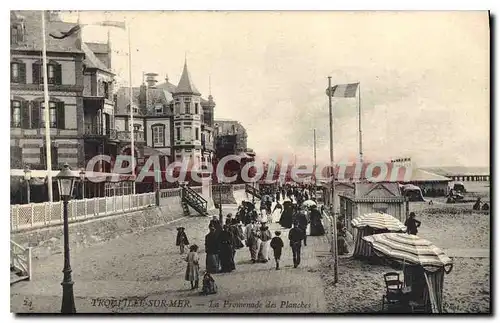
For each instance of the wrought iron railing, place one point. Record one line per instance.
(125, 136)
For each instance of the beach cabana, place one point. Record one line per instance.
(424, 266)
(412, 192)
(373, 223)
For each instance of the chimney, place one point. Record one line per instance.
(151, 79)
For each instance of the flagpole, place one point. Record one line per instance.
(315, 180)
(332, 203)
(359, 125)
(132, 149)
(46, 113)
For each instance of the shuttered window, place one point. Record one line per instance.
(53, 153)
(18, 72)
(54, 75)
(158, 132)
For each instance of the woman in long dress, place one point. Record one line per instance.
(193, 267)
(317, 228)
(212, 250)
(265, 237)
(226, 251)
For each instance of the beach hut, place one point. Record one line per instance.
(412, 192)
(424, 266)
(373, 223)
(372, 197)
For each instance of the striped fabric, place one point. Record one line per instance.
(361, 247)
(343, 90)
(409, 248)
(427, 287)
(379, 221)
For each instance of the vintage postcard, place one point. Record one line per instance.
(250, 162)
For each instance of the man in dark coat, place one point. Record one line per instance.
(412, 224)
(302, 223)
(295, 236)
(216, 224)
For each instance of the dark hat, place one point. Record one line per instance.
(412, 214)
(277, 233)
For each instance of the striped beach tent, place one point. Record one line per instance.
(373, 223)
(427, 265)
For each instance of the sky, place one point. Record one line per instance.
(424, 77)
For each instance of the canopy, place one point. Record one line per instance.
(379, 221)
(408, 187)
(410, 249)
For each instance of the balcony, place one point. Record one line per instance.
(125, 136)
(95, 130)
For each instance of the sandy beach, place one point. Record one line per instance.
(452, 227)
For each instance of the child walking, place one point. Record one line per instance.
(182, 239)
(277, 245)
(193, 267)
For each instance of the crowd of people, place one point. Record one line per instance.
(250, 228)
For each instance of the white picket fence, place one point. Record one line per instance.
(35, 215)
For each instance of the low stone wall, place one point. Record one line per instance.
(47, 241)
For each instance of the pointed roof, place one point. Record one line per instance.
(185, 84)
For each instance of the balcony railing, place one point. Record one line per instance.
(125, 136)
(92, 129)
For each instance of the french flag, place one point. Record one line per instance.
(343, 90)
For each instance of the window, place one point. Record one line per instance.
(197, 134)
(137, 127)
(178, 133)
(196, 111)
(16, 114)
(187, 134)
(52, 115)
(158, 135)
(159, 109)
(177, 108)
(17, 72)
(17, 33)
(187, 107)
(14, 69)
(53, 73)
(106, 89)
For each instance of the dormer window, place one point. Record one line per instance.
(17, 33)
(159, 109)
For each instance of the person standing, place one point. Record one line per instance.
(302, 224)
(226, 251)
(295, 236)
(216, 224)
(181, 239)
(212, 251)
(412, 224)
(193, 269)
(277, 246)
(265, 237)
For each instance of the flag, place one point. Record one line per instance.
(343, 90)
(68, 33)
(110, 23)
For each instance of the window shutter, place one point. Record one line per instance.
(22, 73)
(43, 159)
(36, 73)
(60, 115)
(25, 115)
(57, 74)
(11, 114)
(53, 157)
(35, 115)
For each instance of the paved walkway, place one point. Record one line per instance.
(144, 273)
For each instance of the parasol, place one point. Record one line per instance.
(410, 249)
(379, 221)
(308, 203)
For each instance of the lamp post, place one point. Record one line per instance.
(220, 203)
(27, 179)
(66, 183)
(82, 179)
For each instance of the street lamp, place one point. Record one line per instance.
(66, 183)
(82, 179)
(220, 202)
(27, 179)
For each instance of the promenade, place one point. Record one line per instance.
(144, 273)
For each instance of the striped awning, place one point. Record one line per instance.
(409, 249)
(379, 221)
